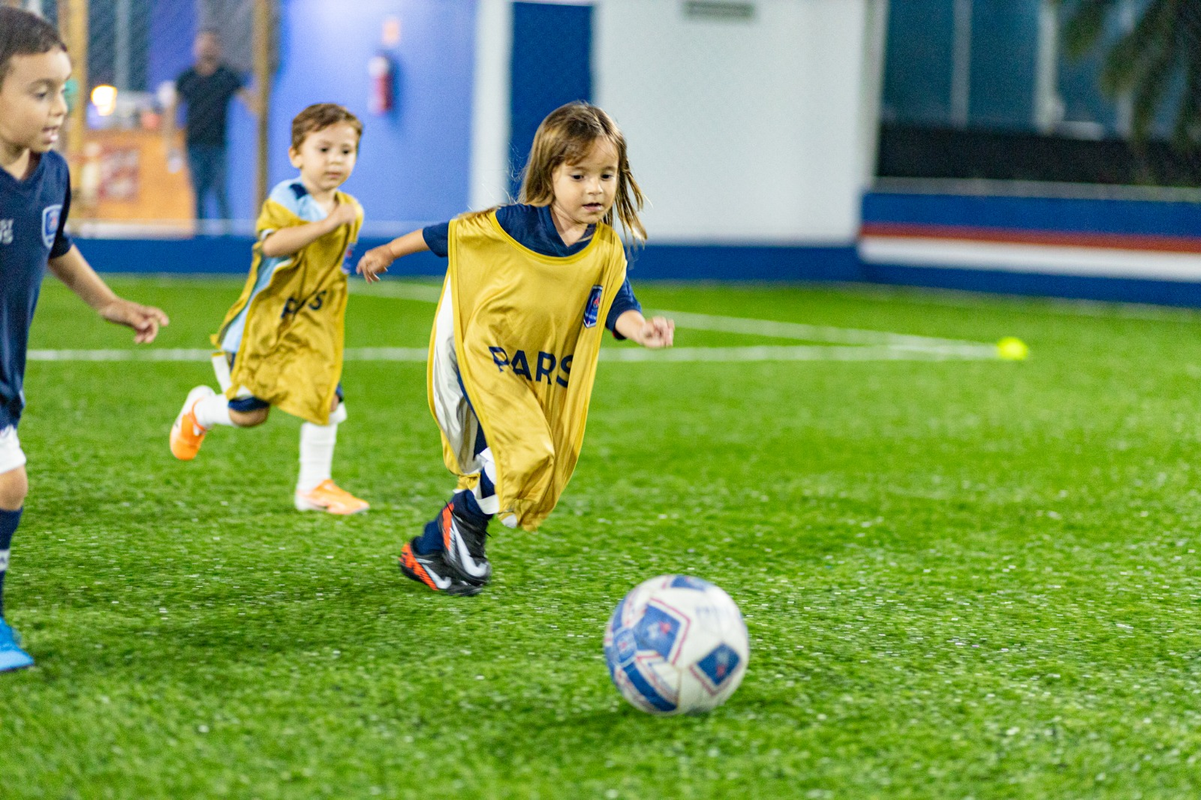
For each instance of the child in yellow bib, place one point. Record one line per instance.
(281, 342)
(528, 291)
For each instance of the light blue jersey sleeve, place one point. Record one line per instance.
(292, 195)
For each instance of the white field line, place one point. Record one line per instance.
(802, 353)
(812, 333)
(969, 352)
(753, 327)
(845, 344)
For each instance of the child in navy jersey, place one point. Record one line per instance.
(35, 195)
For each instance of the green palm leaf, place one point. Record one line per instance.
(1145, 62)
(1085, 25)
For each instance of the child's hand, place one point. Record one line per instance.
(343, 214)
(375, 261)
(145, 320)
(656, 333)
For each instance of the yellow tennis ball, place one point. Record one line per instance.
(1012, 348)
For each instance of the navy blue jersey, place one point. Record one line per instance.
(33, 213)
(533, 227)
(208, 99)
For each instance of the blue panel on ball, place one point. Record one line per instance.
(719, 665)
(625, 647)
(648, 692)
(657, 630)
(689, 582)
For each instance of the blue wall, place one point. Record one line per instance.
(172, 28)
(1067, 217)
(231, 255)
(551, 66)
(1048, 214)
(785, 263)
(414, 164)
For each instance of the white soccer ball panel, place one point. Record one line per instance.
(676, 644)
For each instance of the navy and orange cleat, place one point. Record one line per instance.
(463, 540)
(432, 570)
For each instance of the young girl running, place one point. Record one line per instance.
(283, 337)
(515, 341)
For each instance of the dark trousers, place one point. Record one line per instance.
(207, 163)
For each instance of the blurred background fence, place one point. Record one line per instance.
(1037, 146)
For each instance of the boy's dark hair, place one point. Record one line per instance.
(320, 116)
(24, 34)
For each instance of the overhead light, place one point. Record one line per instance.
(104, 98)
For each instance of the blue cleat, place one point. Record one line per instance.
(12, 656)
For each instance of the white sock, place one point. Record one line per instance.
(491, 503)
(210, 411)
(316, 454)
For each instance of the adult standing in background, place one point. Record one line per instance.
(207, 88)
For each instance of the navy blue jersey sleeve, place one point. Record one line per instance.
(437, 238)
(625, 301)
(62, 240)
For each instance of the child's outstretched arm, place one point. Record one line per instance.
(286, 241)
(72, 269)
(654, 333)
(378, 259)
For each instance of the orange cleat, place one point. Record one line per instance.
(186, 433)
(329, 498)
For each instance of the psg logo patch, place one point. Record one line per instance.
(592, 310)
(50, 217)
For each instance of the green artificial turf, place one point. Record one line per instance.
(961, 579)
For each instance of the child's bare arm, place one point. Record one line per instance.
(286, 241)
(654, 333)
(72, 269)
(378, 259)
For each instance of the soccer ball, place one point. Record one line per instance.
(676, 645)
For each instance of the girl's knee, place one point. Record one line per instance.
(249, 419)
(14, 486)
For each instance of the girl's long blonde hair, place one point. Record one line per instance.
(565, 137)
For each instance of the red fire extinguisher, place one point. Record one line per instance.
(382, 70)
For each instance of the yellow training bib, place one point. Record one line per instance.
(291, 349)
(521, 332)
